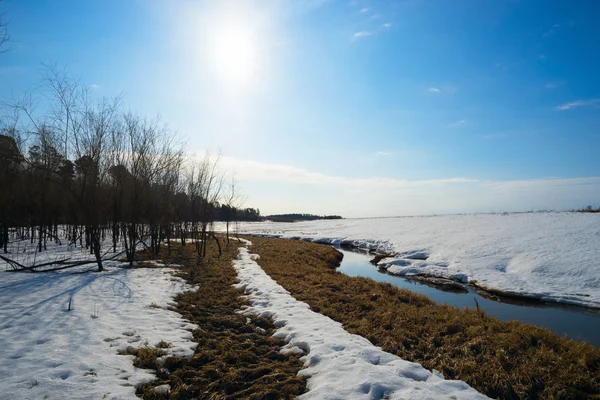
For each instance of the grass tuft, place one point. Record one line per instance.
(145, 357)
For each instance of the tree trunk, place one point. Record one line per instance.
(95, 233)
(217, 240)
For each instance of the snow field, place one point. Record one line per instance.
(49, 352)
(552, 256)
(339, 365)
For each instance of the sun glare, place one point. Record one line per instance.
(234, 55)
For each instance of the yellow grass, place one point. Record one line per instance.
(508, 360)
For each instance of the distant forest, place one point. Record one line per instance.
(299, 217)
(224, 212)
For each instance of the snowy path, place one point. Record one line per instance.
(339, 365)
(47, 352)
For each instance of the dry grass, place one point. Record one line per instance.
(508, 360)
(233, 359)
(145, 357)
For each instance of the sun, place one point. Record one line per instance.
(234, 54)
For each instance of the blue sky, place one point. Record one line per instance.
(362, 108)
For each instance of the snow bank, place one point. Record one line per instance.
(550, 256)
(49, 352)
(339, 365)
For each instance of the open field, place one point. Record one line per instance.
(501, 359)
(203, 339)
(550, 256)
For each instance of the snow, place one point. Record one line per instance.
(49, 352)
(552, 256)
(25, 253)
(339, 365)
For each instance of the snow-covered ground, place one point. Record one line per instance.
(51, 353)
(25, 253)
(551, 256)
(339, 365)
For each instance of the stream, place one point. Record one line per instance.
(576, 322)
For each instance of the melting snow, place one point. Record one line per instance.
(551, 256)
(339, 365)
(49, 352)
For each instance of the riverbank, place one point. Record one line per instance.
(550, 256)
(500, 359)
(578, 323)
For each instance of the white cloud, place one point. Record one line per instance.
(387, 25)
(361, 34)
(550, 31)
(456, 124)
(383, 153)
(258, 171)
(552, 85)
(364, 10)
(579, 103)
(446, 89)
(280, 188)
(94, 86)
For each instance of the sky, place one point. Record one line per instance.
(352, 107)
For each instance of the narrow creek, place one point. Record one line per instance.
(576, 322)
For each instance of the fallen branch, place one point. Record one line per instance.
(17, 267)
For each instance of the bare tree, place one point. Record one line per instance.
(90, 169)
(66, 95)
(232, 200)
(204, 185)
(4, 36)
(152, 159)
(91, 148)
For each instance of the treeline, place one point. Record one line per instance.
(105, 174)
(225, 213)
(589, 209)
(299, 217)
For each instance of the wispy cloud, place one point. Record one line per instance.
(361, 34)
(377, 196)
(551, 31)
(383, 153)
(258, 171)
(364, 10)
(579, 103)
(387, 25)
(542, 57)
(552, 85)
(457, 124)
(94, 86)
(446, 89)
